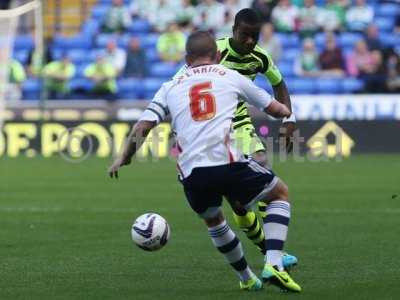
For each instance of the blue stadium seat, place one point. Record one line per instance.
(150, 40)
(80, 69)
(140, 26)
(319, 40)
(290, 54)
(287, 69)
(130, 88)
(289, 40)
(99, 12)
(163, 70)
(351, 85)
(94, 53)
(388, 10)
(21, 56)
(151, 86)
(23, 42)
(78, 56)
(78, 41)
(90, 27)
(346, 51)
(83, 84)
(384, 23)
(152, 55)
(103, 38)
(31, 89)
(349, 39)
(301, 85)
(389, 39)
(328, 85)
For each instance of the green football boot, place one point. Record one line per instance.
(280, 279)
(253, 284)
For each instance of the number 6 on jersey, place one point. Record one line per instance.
(202, 101)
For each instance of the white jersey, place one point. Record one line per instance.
(202, 102)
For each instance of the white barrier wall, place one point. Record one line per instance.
(346, 107)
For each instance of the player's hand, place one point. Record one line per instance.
(117, 164)
(286, 131)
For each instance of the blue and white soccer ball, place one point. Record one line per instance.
(150, 232)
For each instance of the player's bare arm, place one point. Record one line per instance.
(277, 110)
(288, 127)
(136, 138)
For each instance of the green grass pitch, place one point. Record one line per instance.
(65, 232)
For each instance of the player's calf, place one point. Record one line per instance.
(276, 223)
(227, 243)
(250, 225)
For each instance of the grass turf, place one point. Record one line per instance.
(65, 232)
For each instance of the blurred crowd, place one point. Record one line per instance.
(367, 59)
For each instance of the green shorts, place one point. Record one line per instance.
(247, 141)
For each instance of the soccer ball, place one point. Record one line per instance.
(150, 232)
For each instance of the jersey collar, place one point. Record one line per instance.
(232, 51)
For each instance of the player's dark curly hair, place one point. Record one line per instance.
(248, 16)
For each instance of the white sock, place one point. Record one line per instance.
(225, 240)
(276, 227)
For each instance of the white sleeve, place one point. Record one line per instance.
(251, 93)
(157, 110)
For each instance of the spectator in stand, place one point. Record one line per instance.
(36, 62)
(226, 28)
(164, 14)
(115, 56)
(264, 8)
(185, 13)
(393, 72)
(333, 16)
(331, 59)
(269, 42)
(309, 17)
(171, 44)
(118, 18)
(235, 5)
(136, 63)
(284, 16)
(307, 63)
(358, 17)
(103, 75)
(210, 15)
(372, 38)
(56, 76)
(360, 60)
(368, 66)
(142, 8)
(16, 77)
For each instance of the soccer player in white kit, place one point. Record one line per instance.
(202, 103)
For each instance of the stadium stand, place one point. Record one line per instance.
(84, 45)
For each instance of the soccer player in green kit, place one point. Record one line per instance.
(242, 54)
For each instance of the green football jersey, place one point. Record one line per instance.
(258, 61)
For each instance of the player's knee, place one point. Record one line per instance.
(238, 209)
(260, 157)
(215, 220)
(279, 192)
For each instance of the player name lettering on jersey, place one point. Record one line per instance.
(189, 72)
